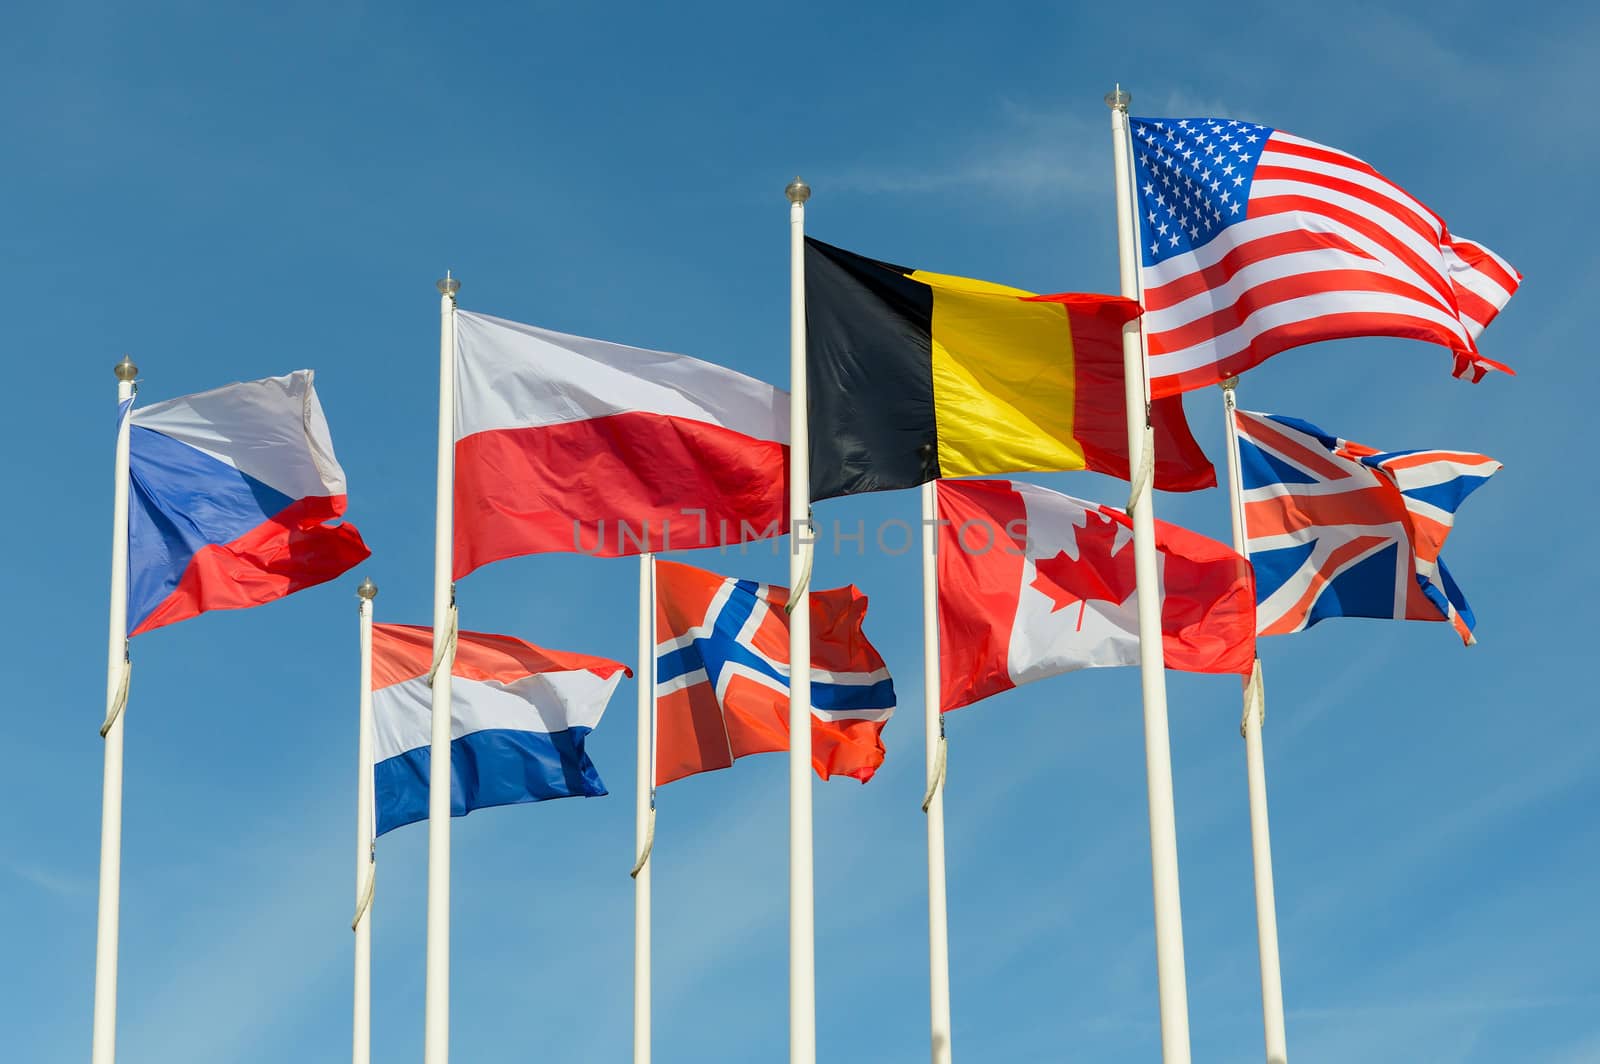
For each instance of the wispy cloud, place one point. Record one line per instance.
(63, 885)
(1025, 153)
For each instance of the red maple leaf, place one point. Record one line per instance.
(1100, 572)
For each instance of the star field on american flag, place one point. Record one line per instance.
(1194, 179)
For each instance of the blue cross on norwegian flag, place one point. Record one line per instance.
(1336, 529)
(1254, 241)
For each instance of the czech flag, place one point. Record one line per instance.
(230, 497)
(518, 718)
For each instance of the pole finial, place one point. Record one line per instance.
(449, 286)
(126, 370)
(368, 590)
(797, 191)
(1229, 384)
(1118, 100)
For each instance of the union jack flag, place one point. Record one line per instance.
(722, 676)
(1337, 529)
(1255, 241)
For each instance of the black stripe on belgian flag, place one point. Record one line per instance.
(869, 376)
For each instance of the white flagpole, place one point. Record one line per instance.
(644, 812)
(802, 910)
(366, 841)
(436, 1010)
(1174, 994)
(104, 1049)
(933, 801)
(1255, 708)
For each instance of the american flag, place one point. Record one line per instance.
(1337, 529)
(1255, 241)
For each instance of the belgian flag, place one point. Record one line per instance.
(913, 376)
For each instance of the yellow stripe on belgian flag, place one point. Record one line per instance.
(1004, 382)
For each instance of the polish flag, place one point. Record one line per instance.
(570, 444)
(1033, 583)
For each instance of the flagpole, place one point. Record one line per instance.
(366, 841)
(1255, 709)
(643, 813)
(802, 912)
(933, 803)
(436, 1009)
(118, 669)
(1173, 989)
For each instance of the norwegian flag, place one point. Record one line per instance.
(1255, 241)
(1336, 529)
(722, 676)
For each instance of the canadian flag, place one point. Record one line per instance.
(1033, 583)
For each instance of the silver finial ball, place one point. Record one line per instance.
(449, 286)
(797, 191)
(126, 370)
(1118, 100)
(1230, 383)
(368, 590)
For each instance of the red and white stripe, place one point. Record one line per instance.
(564, 443)
(1329, 248)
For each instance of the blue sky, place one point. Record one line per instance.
(228, 195)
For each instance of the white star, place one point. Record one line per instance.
(1228, 169)
(1149, 188)
(1226, 196)
(1173, 239)
(1152, 217)
(1251, 139)
(1238, 180)
(1194, 232)
(1155, 249)
(1162, 231)
(1233, 208)
(1215, 185)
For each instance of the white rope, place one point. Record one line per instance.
(1255, 699)
(447, 649)
(366, 893)
(119, 700)
(937, 782)
(1147, 467)
(805, 572)
(649, 844)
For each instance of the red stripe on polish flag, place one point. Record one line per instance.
(625, 477)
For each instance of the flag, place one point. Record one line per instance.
(570, 444)
(1254, 241)
(230, 495)
(1033, 583)
(518, 719)
(1336, 529)
(722, 676)
(916, 375)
